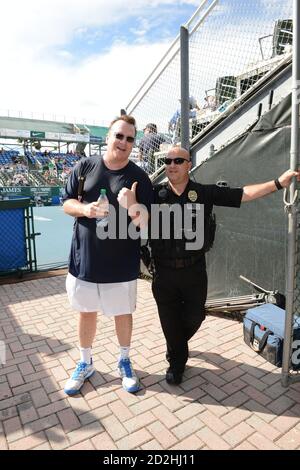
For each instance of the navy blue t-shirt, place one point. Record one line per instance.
(109, 260)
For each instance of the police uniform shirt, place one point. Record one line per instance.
(194, 193)
(108, 260)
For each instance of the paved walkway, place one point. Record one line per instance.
(230, 398)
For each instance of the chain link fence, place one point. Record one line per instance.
(232, 45)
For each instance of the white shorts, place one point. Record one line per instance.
(118, 298)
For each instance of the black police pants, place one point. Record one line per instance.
(180, 295)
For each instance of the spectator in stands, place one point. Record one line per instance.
(174, 123)
(210, 103)
(52, 168)
(64, 177)
(149, 144)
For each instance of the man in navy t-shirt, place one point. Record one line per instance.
(104, 260)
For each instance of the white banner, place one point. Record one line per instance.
(52, 136)
(75, 137)
(56, 136)
(14, 133)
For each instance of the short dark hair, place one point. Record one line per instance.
(125, 118)
(152, 127)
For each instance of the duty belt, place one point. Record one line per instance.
(177, 263)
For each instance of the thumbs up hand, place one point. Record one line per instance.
(133, 187)
(127, 197)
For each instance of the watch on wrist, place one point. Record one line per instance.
(277, 184)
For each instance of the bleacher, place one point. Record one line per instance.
(33, 163)
(42, 158)
(37, 169)
(71, 160)
(7, 157)
(37, 179)
(4, 179)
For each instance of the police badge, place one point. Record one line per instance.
(193, 196)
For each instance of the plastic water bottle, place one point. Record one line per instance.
(104, 205)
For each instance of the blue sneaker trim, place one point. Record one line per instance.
(72, 391)
(76, 376)
(133, 389)
(126, 372)
(79, 368)
(127, 366)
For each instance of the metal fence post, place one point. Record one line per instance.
(184, 90)
(292, 207)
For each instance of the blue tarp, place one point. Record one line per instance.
(13, 242)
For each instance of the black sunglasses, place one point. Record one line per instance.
(177, 160)
(120, 136)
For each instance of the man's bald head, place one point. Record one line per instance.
(178, 152)
(178, 171)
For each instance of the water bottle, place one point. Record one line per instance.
(104, 205)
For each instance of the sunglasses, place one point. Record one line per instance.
(177, 160)
(120, 136)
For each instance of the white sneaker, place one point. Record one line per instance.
(130, 381)
(82, 372)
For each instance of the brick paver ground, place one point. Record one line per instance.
(230, 398)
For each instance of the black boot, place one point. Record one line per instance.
(173, 377)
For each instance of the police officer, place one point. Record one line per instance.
(180, 280)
